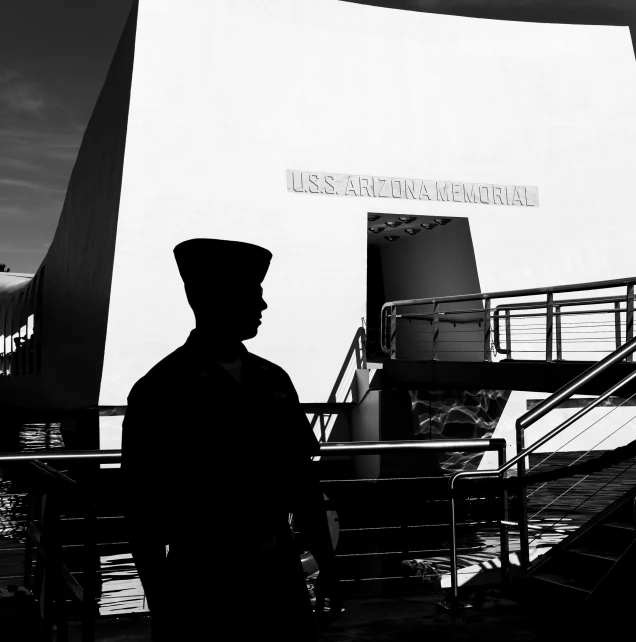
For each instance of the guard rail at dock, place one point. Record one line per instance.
(47, 542)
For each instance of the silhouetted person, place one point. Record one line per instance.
(216, 453)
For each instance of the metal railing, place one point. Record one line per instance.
(53, 581)
(43, 459)
(519, 459)
(335, 449)
(343, 391)
(554, 328)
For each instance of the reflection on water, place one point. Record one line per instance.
(457, 414)
(12, 483)
(122, 592)
(12, 510)
(41, 437)
(550, 530)
(121, 588)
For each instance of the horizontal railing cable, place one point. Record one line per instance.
(598, 490)
(555, 321)
(614, 408)
(606, 460)
(581, 457)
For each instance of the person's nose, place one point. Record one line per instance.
(263, 305)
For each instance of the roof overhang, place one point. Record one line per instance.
(589, 12)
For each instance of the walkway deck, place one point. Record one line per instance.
(409, 618)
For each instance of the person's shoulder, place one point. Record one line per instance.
(161, 375)
(267, 366)
(270, 369)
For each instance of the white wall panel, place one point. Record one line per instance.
(226, 96)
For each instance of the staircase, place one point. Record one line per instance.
(588, 562)
(414, 519)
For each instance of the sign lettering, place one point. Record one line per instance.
(410, 189)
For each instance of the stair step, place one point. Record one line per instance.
(364, 566)
(393, 539)
(606, 539)
(560, 580)
(627, 526)
(624, 513)
(578, 571)
(594, 552)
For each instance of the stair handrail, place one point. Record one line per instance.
(523, 422)
(531, 305)
(357, 350)
(554, 289)
(336, 448)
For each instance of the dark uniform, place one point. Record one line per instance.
(212, 468)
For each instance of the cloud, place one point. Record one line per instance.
(23, 97)
(27, 249)
(17, 164)
(40, 133)
(7, 75)
(12, 182)
(60, 154)
(19, 95)
(23, 146)
(21, 135)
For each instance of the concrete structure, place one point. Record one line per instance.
(286, 125)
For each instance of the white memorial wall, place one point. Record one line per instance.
(233, 102)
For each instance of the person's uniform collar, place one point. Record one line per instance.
(202, 352)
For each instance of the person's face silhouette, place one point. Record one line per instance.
(230, 313)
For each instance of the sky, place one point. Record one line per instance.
(54, 56)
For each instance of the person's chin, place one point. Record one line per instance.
(250, 333)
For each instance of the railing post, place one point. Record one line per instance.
(503, 529)
(487, 331)
(548, 327)
(524, 552)
(28, 542)
(91, 569)
(393, 335)
(508, 336)
(362, 362)
(559, 343)
(435, 328)
(453, 551)
(383, 322)
(357, 350)
(617, 323)
(323, 428)
(49, 585)
(629, 319)
(454, 602)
